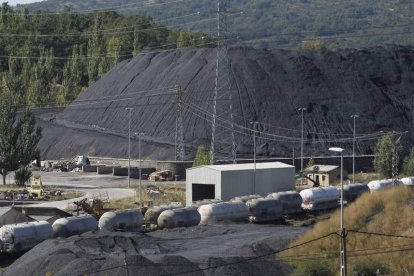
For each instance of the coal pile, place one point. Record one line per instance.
(266, 85)
(228, 249)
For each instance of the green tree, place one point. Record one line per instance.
(72, 76)
(95, 51)
(311, 162)
(18, 138)
(408, 167)
(202, 157)
(383, 155)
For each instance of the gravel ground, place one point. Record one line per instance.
(221, 249)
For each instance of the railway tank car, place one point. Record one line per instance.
(225, 211)
(320, 198)
(129, 219)
(291, 201)
(23, 236)
(183, 217)
(408, 181)
(152, 214)
(66, 227)
(264, 209)
(379, 185)
(353, 191)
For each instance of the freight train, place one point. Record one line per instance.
(254, 208)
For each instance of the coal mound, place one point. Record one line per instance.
(266, 85)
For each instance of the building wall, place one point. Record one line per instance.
(275, 180)
(236, 183)
(229, 184)
(202, 175)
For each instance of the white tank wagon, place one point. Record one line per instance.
(264, 209)
(225, 211)
(353, 191)
(245, 198)
(23, 236)
(408, 181)
(378, 185)
(291, 201)
(66, 227)
(320, 198)
(130, 219)
(152, 214)
(198, 203)
(183, 217)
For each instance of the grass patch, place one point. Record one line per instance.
(167, 193)
(388, 212)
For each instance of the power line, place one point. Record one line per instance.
(381, 234)
(103, 10)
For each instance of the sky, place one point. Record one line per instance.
(15, 2)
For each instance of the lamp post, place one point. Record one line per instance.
(342, 230)
(353, 150)
(302, 109)
(140, 174)
(254, 156)
(129, 109)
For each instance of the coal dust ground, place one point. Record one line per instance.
(267, 86)
(220, 249)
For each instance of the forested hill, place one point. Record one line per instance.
(47, 59)
(274, 23)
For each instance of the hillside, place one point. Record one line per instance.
(389, 212)
(268, 86)
(270, 23)
(47, 59)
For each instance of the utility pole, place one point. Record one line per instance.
(395, 158)
(353, 150)
(302, 109)
(140, 174)
(129, 109)
(179, 127)
(342, 242)
(254, 157)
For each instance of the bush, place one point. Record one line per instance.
(22, 175)
(313, 268)
(369, 267)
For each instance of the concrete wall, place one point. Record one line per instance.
(105, 170)
(202, 175)
(89, 168)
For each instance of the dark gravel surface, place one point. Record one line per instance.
(268, 86)
(222, 249)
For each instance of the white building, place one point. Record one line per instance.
(227, 181)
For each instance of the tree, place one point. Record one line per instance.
(383, 155)
(408, 167)
(18, 138)
(202, 157)
(311, 162)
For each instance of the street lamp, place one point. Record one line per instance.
(342, 231)
(129, 109)
(353, 150)
(254, 156)
(302, 109)
(140, 174)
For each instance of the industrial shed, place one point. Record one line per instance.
(227, 181)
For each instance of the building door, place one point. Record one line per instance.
(203, 191)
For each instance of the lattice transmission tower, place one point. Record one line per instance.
(179, 127)
(223, 88)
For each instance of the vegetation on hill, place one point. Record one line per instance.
(376, 224)
(270, 23)
(48, 58)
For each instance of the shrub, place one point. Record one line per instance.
(22, 175)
